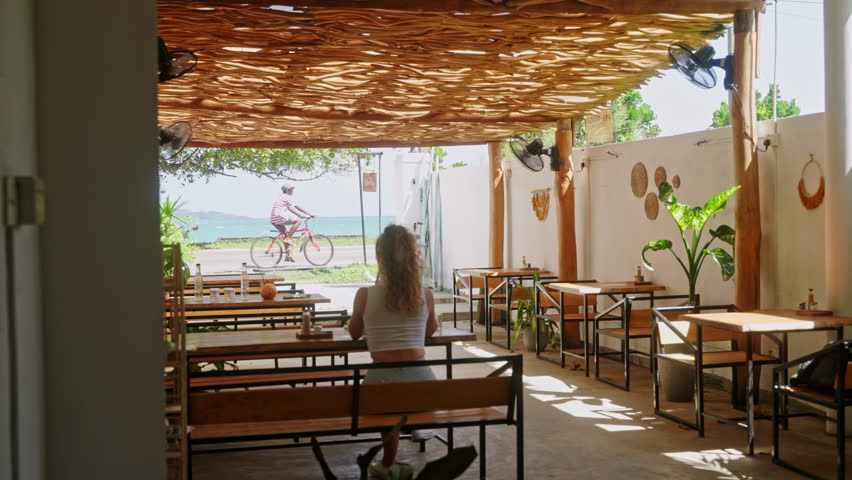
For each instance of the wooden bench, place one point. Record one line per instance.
(260, 317)
(294, 413)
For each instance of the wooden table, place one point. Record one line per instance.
(502, 278)
(233, 344)
(234, 280)
(307, 300)
(758, 323)
(587, 289)
(254, 306)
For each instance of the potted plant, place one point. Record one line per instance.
(691, 221)
(526, 323)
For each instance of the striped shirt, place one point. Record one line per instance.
(281, 210)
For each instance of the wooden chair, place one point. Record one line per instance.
(506, 304)
(677, 341)
(634, 324)
(834, 399)
(470, 289)
(569, 310)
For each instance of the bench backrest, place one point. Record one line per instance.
(307, 403)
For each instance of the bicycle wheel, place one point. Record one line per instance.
(266, 252)
(319, 251)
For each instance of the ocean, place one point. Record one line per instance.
(211, 229)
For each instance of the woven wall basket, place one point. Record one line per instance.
(639, 180)
(652, 206)
(659, 176)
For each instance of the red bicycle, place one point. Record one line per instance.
(267, 252)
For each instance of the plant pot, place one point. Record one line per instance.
(529, 340)
(677, 379)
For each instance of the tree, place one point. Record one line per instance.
(762, 105)
(632, 119)
(281, 164)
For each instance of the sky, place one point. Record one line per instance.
(796, 65)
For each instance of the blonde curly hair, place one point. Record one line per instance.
(400, 268)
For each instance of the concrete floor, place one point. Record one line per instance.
(574, 427)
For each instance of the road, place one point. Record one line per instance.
(229, 260)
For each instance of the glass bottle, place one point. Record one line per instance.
(244, 282)
(306, 322)
(199, 284)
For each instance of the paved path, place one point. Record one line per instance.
(228, 260)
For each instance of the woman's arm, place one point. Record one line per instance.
(431, 321)
(356, 321)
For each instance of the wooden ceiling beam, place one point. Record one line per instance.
(337, 144)
(174, 104)
(606, 7)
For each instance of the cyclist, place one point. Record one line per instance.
(286, 212)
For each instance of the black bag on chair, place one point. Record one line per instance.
(821, 372)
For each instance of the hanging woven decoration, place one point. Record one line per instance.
(652, 206)
(811, 201)
(639, 179)
(541, 203)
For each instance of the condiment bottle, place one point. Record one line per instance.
(811, 302)
(199, 284)
(306, 323)
(639, 277)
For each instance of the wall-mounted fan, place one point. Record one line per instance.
(533, 154)
(697, 66)
(174, 62)
(173, 138)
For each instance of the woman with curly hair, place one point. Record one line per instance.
(397, 314)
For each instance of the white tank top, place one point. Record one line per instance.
(388, 330)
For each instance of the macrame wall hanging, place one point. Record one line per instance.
(811, 201)
(541, 203)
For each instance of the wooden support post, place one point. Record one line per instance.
(566, 234)
(496, 207)
(743, 131)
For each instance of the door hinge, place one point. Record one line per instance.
(23, 200)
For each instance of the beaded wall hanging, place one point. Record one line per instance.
(811, 201)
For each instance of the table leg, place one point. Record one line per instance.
(449, 357)
(487, 297)
(562, 343)
(586, 332)
(699, 380)
(750, 393)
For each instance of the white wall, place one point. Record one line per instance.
(101, 269)
(612, 227)
(464, 204)
(21, 367)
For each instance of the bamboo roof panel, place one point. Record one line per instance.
(361, 76)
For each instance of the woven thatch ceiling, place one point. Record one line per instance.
(354, 76)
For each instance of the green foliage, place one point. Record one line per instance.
(291, 164)
(527, 309)
(694, 219)
(355, 273)
(632, 119)
(173, 227)
(763, 108)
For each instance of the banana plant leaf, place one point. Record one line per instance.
(712, 207)
(724, 233)
(655, 246)
(725, 261)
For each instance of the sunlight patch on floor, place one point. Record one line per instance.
(546, 383)
(605, 410)
(620, 428)
(713, 461)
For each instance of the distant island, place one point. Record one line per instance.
(211, 215)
